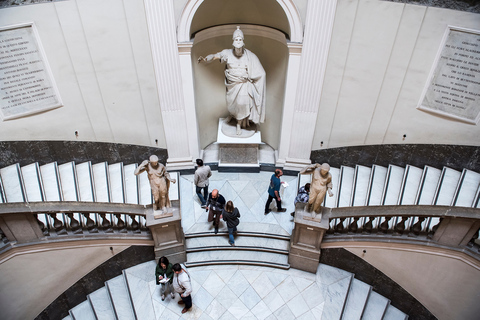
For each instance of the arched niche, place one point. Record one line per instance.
(270, 46)
(198, 15)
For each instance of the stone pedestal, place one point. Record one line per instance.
(306, 238)
(168, 233)
(238, 151)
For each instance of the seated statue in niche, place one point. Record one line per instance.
(321, 184)
(159, 182)
(245, 83)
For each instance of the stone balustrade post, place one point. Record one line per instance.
(306, 239)
(20, 227)
(167, 233)
(456, 231)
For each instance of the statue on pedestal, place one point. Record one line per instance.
(321, 184)
(245, 82)
(159, 182)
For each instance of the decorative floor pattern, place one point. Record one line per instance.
(245, 292)
(248, 191)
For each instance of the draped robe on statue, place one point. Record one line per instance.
(245, 81)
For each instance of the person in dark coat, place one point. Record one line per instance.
(164, 271)
(230, 215)
(215, 204)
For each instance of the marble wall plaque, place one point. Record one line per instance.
(453, 89)
(26, 82)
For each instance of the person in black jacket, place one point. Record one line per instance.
(215, 204)
(230, 215)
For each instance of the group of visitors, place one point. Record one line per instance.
(175, 279)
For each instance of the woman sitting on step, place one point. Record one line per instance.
(230, 215)
(164, 276)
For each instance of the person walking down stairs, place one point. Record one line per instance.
(230, 215)
(215, 204)
(183, 286)
(164, 277)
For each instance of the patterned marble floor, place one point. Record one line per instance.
(245, 292)
(248, 191)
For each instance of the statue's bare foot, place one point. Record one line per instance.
(155, 207)
(239, 129)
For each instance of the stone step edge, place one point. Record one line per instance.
(237, 262)
(241, 248)
(242, 233)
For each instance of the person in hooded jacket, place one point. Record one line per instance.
(230, 215)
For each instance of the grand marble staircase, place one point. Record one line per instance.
(235, 292)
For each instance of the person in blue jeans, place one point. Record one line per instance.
(274, 192)
(230, 215)
(202, 174)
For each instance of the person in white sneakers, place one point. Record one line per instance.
(164, 277)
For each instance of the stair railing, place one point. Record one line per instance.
(27, 222)
(457, 227)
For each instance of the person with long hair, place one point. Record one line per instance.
(230, 215)
(164, 277)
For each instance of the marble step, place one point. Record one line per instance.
(428, 186)
(83, 311)
(51, 183)
(232, 256)
(360, 185)
(116, 185)
(330, 202)
(250, 241)
(85, 181)
(118, 290)
(467, 189)
(375, 307)
(32, 183)
(411, 183)
(69, 317)
(447, 185)
(393, 185)
(338, 284)
(356, 300)
(131, 184)
(68, 181)
(393, 313)
(376, 185)
(12, 183)
(100, 182)
(138, 279)
(345, 187)
(101, 304)
(257, 229)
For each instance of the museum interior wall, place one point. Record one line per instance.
(102, 65)
(380, 58)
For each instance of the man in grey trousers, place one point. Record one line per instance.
(201, 181)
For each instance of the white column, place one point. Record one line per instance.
(318, 32)
(163, 41)
(294, 58)
(185, 55)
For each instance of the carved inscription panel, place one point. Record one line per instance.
(26, 82)
(454, 86)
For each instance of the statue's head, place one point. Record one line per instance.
(324, 168)
(238, 38)
(153, 160)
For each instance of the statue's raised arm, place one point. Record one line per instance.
(245, 80)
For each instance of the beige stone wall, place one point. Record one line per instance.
(379, 62)
(100, 57)
(445, 282)
(29, 282)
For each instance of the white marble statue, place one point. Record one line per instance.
(245, 82)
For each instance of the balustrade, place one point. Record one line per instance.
(57, 219)
(407, 223)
